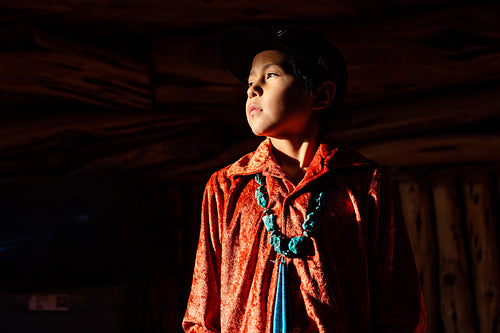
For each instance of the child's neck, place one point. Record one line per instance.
(294, 156)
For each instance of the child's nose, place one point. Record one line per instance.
(254, 90)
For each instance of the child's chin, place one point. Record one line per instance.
(257, 131)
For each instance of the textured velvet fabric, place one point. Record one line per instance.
(358, 274)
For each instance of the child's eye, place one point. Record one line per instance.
(250, 84)
(271, 75)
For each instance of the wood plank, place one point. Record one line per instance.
(416, 209)
(483, 240)
(457, 308)
(66, 70)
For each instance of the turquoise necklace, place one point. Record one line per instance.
(288, 247)
(285, 247)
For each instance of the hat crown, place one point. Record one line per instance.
(239, 45)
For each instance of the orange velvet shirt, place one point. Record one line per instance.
(358, 273)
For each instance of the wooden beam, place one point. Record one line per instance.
(184, 140)
(62, 70)
(416, 207)
(434, 149)
(438, 112)
(483, 240)
(65, 143)
(457, 308)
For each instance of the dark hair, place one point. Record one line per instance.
(311, 80)
(300, 70)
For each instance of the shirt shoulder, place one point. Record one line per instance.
(249, 164)
(357, 171)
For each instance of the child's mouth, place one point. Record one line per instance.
(252, 109)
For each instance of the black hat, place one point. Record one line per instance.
(238, 46)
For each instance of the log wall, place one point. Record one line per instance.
(135, 89)
(451, 223)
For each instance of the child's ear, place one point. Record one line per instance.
(324, 95)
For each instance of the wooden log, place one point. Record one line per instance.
(457, 308)
(416, 209)
(483, 240)
(433, 149)
(66, 70)
(420, 52)
(22, 126)
(391, 57)
(185, 141)
(406, 116)
(67, 143)
(153, 14)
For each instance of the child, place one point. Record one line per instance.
(303, 234)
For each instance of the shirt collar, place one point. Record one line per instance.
(329, 155)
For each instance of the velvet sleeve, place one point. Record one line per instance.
(203, 309)
(396, 297)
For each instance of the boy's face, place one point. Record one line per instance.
(277, 105)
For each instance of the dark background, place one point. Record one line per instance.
(113, 114)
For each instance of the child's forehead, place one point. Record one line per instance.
(264, 67)
(268, 58)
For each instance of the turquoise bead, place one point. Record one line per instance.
(261, 196)
(296, 245)
(269, 222)
(276, 243)
(312, 221)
